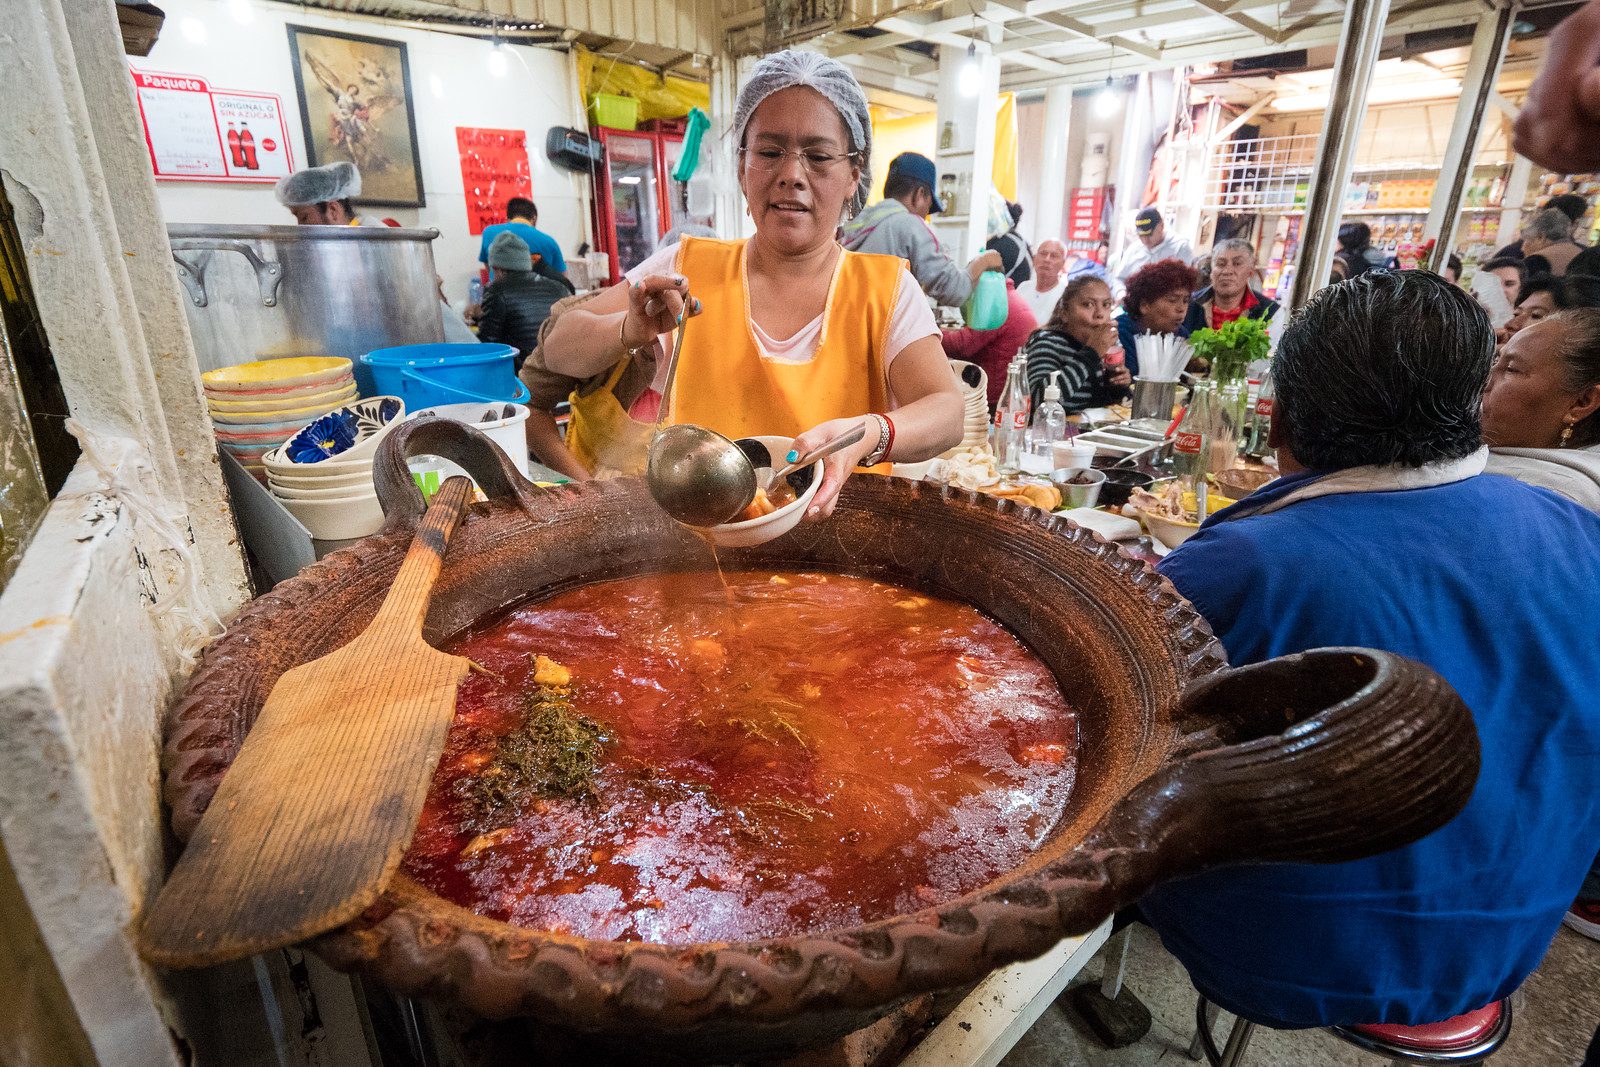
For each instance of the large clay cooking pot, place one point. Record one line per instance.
(1183, 765)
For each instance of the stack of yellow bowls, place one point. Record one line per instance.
(255, 407)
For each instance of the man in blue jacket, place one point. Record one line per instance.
(1385, 532)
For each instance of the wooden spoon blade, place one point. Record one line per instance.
(311, 820)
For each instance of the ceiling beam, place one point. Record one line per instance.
(844, 44)
(1245, 22)
(912, 27)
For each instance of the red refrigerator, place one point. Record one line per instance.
(636, 200)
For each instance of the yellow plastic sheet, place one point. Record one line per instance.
(919, 133)
(659, 96)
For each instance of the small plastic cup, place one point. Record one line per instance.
(1069, 453)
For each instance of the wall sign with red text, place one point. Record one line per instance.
(494, 168)
(197, 133)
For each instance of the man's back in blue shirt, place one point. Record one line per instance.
(1488, 582)
(538, 242)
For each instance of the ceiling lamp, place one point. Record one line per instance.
(1107, 101)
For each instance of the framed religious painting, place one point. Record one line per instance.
(355, 102)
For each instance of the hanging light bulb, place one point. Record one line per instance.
(497, 61)
(967, 77)
(1107, 102)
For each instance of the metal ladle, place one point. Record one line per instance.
(696, 475)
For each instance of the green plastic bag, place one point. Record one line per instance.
(986, 308)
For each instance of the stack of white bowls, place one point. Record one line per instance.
(255, 407)
(323, 474)
(974, 404)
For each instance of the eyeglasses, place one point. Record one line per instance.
(815, 161)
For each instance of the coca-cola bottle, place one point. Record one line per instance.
(1010, 430)
(1189, 443)
(247, 147)
(1261, 419)
(233, 147)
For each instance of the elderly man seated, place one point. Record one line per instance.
(1385, 532)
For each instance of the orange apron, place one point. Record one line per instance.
(601, 434)
(725, 384)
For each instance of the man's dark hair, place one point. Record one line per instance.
(896, 186)
(1569, 204)
(1015, 211)
(1453, 262)
(1384, 369)
(1504, 261)
(1586, 263)
(1566, 291)
(520, 207)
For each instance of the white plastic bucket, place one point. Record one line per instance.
(509, 432)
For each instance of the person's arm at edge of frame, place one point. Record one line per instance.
(544, 441)
(592, 337)
(927, 423)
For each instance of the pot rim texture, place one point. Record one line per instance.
(1108, 605)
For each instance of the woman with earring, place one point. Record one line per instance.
(1541, 410)
(786, 332)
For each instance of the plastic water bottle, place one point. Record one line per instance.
(475, 290)
(1050, 421)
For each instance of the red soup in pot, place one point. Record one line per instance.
(784, 753)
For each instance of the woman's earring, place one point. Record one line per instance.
(1566, 434)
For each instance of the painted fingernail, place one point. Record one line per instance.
(792, 456)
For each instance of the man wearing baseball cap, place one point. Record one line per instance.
(897, 226)
(1153, 245)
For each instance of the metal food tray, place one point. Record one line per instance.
(1126, 438)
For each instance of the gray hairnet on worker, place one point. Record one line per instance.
(320, 196)
(786, 333)
(831, 78)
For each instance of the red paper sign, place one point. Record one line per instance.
(197, 133)
(494, 168)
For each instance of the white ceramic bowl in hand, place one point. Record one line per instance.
(759, 531)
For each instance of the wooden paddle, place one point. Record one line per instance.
(312, 818)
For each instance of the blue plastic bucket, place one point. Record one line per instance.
(426, 375)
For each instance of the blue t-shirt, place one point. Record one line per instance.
(1491, 583)
(539, 243)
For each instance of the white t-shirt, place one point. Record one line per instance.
(1043, 304)
(912, 320)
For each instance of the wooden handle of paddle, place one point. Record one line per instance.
(402, 611)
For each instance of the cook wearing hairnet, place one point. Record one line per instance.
(786, 333)
(320, 196)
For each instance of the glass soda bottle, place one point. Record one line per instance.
(1261, 419)
(1000, 433)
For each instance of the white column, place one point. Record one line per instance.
(1516, 195)
(1359, 43)
(1472, 109)
(1053, 185)
(970, 156)
(1133, 157)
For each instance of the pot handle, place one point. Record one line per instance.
(1328, 756)
(192, 272)
(467, 446)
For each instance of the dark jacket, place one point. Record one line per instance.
(1199, 316)
(516, 305)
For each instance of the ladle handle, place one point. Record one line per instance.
(822, 451)
(1329, 756)
(466, 446)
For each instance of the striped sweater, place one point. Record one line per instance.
(1083, 375)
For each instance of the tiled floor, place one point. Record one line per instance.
(1556, 1015)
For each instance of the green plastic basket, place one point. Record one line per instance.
(617, 112)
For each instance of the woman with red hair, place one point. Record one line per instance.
(1156, 301)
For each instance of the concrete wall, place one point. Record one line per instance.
(451, 85)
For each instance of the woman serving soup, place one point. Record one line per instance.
(790, 333)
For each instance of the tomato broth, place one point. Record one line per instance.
(797, 752)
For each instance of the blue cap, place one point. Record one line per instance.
(918, 168)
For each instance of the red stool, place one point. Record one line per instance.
(1465, 1039)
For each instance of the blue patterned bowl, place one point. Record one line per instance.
(348, 433)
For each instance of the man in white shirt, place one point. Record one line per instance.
(1049, 277)
(1153, 245)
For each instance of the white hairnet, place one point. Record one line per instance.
(783, 70)
(318, 185)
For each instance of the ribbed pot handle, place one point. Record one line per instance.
(1328, 756)
(466, 446)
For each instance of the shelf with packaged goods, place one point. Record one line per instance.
(1356, 211)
